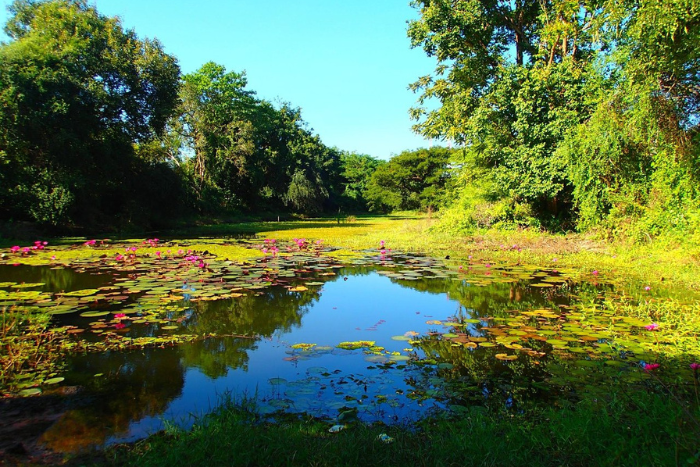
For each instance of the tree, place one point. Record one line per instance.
(578, 109)
(410, 180)
(77, 92)
(356, 171)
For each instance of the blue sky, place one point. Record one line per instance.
(346, 64)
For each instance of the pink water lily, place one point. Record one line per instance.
(15, 249)
(647, 288)
(651, 366)
(651, 327)
(119, 316)
(695, 366)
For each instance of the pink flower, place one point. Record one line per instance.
(119, 316)
(381, 244)
(90, 243)
(461, 267)
(595, 273)
(15, 249)
(651, 327)
(695, 366)
(53, 257)
(158, 254)
(119, 326)
(651, 366)
(647, 288)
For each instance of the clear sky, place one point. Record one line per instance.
(346, 64)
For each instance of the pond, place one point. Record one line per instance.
(146, 337)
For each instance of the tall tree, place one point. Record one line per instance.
(535, 90)
(77, 91)
(410, 180)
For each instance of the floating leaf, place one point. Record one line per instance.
(503, 356)
(54, 380)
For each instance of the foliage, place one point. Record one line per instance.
(410, 180)
(245, 152)
(77, 90)
(591, 122)
(356, 171)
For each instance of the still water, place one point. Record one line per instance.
(386, 339)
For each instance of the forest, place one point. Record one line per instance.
(555, 115)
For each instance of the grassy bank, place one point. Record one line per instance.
(642, 430)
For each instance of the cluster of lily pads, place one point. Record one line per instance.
(150, 288)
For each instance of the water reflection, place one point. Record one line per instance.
(246, 345)
(118, 388)
(54, 279)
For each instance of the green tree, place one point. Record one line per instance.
(244, 153)
(356, 171)
(579, 110)
(410, 180)
(77, 92)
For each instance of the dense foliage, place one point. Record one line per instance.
(99, 129)
(412, 180)
(570, 114)
(76, 93)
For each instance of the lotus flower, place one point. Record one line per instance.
(651, 327)
(651, 366)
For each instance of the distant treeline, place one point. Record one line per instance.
(564, 115)
(99, 129)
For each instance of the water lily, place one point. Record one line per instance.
(647, 288)
(381, 243)
(119, 316)
(695, 366)
(651, 366)
(15, 249)
(651, 327)
(595, 272)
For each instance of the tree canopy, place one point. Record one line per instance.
(585, 112)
